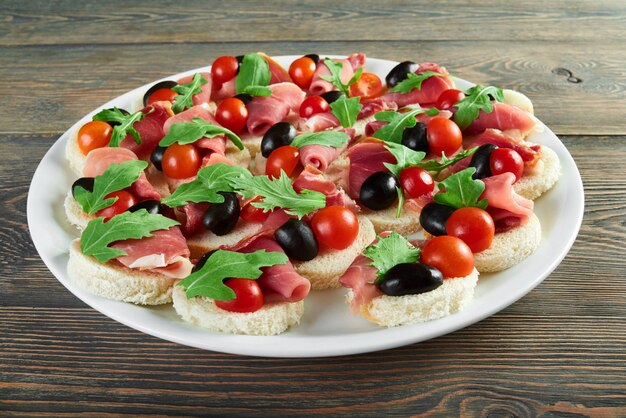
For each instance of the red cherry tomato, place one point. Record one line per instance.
(448, 254)
(367, 86)
(301, 72)
(181, 161)
(443, 135)
(250, 213)
(232, 114)
(504, 160)
(162, 95)
(123, 202)
(285, 158)
(224, 69)
(312, 105)
(335, 226)
(449, 98)
(249, 297)
(94, 134)
(474, 226)
(416, 181)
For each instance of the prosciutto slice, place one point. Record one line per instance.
(505, 118)
(265, 111)
(205, 94)
(318, 122)
(313, 179)
(358, 278)
(349, 66)
(150, 129)
(226, 90)
(320, 156)
(278, 73)
(504, 203)
(198, 111)
(530, 154)
(366, 158)
(430, 90)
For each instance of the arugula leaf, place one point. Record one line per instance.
(257, 91)
(390, 251)
(98, 235)
(253, 71)
(124, 124)
(335, 76)
(346, 110)
(209, 280)
(206, 186)
(392, 132)
(413, 81)
(184, 100)
(436, 167)
(279, 193)
(400, 201)
(476, 99)
(405, 157)
(461, 190)
(329, 138)
(116, 177)
(189, 132)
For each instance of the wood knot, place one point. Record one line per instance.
(567, 73)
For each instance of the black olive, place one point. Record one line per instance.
(480, 160)
(167, 84)
(314, 57)
(410, 279)
(297, 240)
(280, 134)
(331, 96)
(152, 206)
(415, 138)
(156, 157)
(239, 59)
(399, 72)
(245, 98)
(379, 191)
(434, 216)
(221, 218)
(123, 111)
(84, 182)
(202, 261)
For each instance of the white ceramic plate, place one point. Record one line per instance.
(327, 328)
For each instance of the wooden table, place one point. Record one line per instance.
(561, 350)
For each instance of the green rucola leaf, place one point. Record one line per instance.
(253, 71)
(346, 110)
(124, 125)
(461, 190)
(390, 251)
(184, 100)
(414, 81)
(328, 138)
(189, 132)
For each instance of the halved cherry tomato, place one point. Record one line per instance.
(124, 201)
(232, 114)
(449, 98)
(335, 226)
(443, 135)
(450, 255)
(367, 86)
(474, 226)
(181, 161)
(250, 213)
(312, 105)
(162, 95)
(94, 134)
(504, 160)
(416, 182)
(301, 72)
(224, 69)
(285, 158)
(249, 297)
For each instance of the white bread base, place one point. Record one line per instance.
(271, 319)
(74, 212)
(385, 220)
(73, 153)
(451, 297)
(533, 185)
(118, 282)
(199, 244)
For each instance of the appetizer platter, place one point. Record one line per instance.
(305, 206)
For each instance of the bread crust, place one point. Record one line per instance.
(533, 185)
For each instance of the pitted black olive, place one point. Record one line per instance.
(84, 182)
(314, 57)
(152, 206)
(480, 160)
(415, 138)
(434, 216)
(379, 191)
(280, 134)
(202, 261)
(411, 279)
(297, 240)
(123, 111)
(400, 72)
(331, 96)
(239, 59)
(221, 218)
(245, 98)
(156, 157)
(167, 84)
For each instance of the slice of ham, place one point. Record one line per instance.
(265, 111)
(366, 158)
(205, 94)
(198, 111)
(150, 130)
(318, 122)
(226, 90)
(192, 218)
(505, 203)
(278, 73)
(349, 66)
(313, 179)
(505, 118)
(530, 154)
(430, 90)
(275, 220)
(358, 277)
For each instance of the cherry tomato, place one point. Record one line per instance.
(250, 213)
(249, 297)
(416, 181)
(335, 226)
(232, 114)
(443, 135)
(504, 160)
(301, 72)
(162, 95)
(224, 69)
(312, 105)
(367, 86)
(449, 98)
(123, 202)
(181, 161)
(94, 134)
(285, 158)
(450, 255)
(474, 226)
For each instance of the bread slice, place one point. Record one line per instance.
(519, 100)
(386, 220)
(547, 173)
(207, 241)
(74, 212)
(117, 282)
(271, 319)
(451, 297)
(73, 153)
(324, 270)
